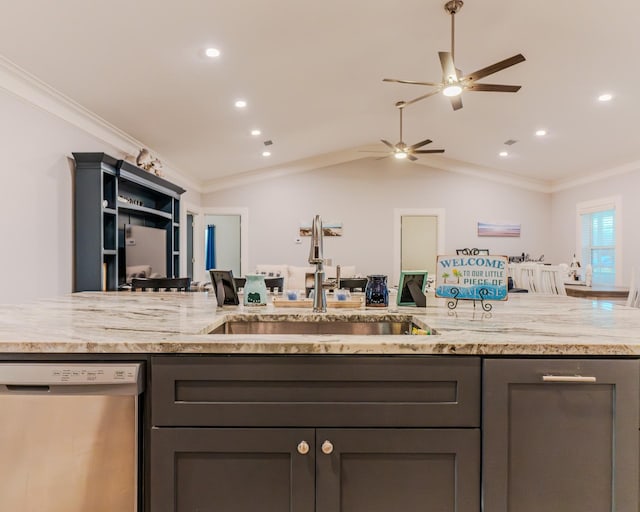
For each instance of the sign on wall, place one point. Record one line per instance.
(479, 277)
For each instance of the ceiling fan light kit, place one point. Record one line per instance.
(452, 90)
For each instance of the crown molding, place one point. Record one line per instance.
(560, 185)
(295, 167)
(34, 91)
(485, 173)
(348, 155)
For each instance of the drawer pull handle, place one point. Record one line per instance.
(303, 447)
(327, 447)
(568, 378)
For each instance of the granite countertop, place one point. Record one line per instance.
(147, 322)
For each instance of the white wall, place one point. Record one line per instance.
(563, 207)
(362, 194)
(36, 220)
(36, 211)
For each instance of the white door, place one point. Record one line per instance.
(418, 239)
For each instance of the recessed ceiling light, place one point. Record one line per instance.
(266, 153)
(241, 103)
(255, 133)
(605, 97)
(541, 133)
(212, 52)
(503, 153)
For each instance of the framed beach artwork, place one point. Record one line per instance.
(498, 229)
(328, 229)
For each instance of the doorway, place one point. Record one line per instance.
(418, 239)
(222, 242)
(190, 222)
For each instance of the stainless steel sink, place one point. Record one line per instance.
(317, 324)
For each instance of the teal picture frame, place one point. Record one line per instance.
(411, 282)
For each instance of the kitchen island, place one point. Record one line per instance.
(535, 405)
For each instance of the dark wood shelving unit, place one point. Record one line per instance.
(109, 194)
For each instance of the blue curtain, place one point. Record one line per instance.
(210, 247)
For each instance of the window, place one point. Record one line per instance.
(598, 239)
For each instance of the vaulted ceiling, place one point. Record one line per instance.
(311, 73)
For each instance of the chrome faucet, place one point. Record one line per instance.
(316, 258)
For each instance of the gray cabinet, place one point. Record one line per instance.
(389, 470)
(231, 470)
(110, 194)
(560, 435)
(322, 434)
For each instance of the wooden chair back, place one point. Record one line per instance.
(161, 283)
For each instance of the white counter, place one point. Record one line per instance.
(147, 322)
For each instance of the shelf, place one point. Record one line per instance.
(109, 252)
(110, 211)
(143, 209)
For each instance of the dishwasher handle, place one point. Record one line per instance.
(88, 389)
(31, 389)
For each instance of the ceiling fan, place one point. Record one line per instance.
(453, 81)
(400, 150)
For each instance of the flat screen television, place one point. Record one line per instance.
(145, 247)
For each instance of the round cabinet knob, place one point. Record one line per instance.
(327, 447)
(303, 447)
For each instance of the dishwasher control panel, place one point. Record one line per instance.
(68, 373)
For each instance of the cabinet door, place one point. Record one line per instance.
(560, 435)
(391, 470)
(231, 470)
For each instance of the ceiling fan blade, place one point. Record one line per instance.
(387, 143)
(448, 68)
(420, 144)
(494, 68)
(381, 157)
(456, 102)
(411, 157)
(414, 100)
(493, 87)
(425, 151)
(411, 82)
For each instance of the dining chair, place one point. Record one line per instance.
(550, 279)
(161, 283)
(525, 276)
(633, 299)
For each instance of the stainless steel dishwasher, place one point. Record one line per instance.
(68, 437)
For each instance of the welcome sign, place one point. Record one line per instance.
(479, 277)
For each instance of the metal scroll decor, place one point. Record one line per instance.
(480, 278)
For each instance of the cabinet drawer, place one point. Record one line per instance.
(315, 391)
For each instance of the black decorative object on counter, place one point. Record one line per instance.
(376, 293)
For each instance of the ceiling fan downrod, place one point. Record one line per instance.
(400, 105)
(452, 7)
